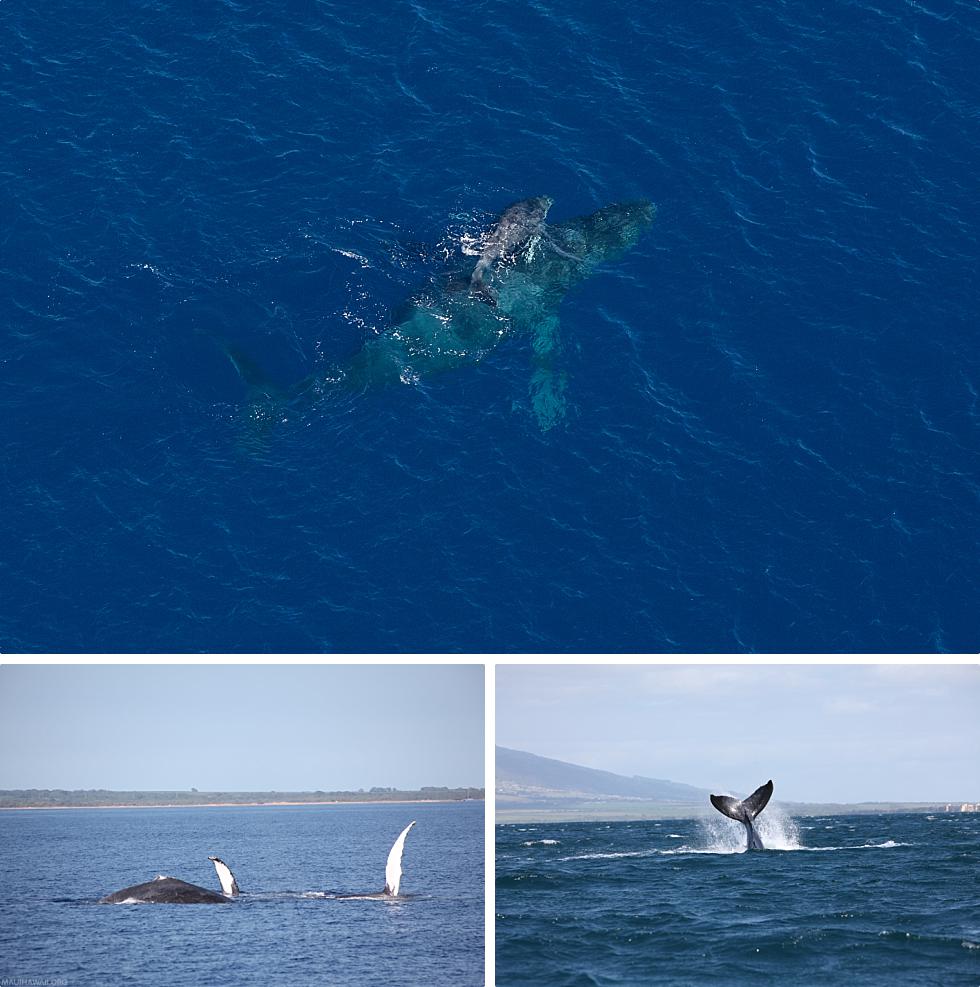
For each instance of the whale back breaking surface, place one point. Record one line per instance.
(165, 891)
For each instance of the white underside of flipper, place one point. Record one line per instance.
(393, 869)
(229, 886)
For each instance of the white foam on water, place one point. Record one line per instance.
(722, 836)
(613, 855)
(887, 845)
(540, 843)
(777, 831)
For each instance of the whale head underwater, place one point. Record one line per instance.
(165, 890)
(524, 269)
(745, 811)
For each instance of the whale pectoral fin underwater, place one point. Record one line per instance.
(745, 811)
(554, 261)
(548, 382)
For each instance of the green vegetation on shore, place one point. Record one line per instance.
(56, 798)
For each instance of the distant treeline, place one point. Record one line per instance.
(57, 797)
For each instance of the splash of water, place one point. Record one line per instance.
(777, 830)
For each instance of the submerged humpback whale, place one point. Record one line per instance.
(525, 268)
(524, 271)
(172, 891)
(745, 811)
(393, 872)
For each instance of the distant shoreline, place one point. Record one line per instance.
(225, 805)
(505, 816)
(637, 811)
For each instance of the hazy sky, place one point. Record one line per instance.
(241, 727)
(823, 733)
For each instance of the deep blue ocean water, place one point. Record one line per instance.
(56, 864)
(881, 899)
(772, 437)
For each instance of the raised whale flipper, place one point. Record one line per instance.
(393, 868)
(229, 885)
(745, 811)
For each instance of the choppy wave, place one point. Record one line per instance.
(770, 442)
(891, 889)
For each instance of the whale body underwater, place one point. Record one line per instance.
(164, 890)
(745, 811)
(524, 270)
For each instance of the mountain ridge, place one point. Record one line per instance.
(526, 778)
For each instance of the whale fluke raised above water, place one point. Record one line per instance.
(745, 811)
(165, 890)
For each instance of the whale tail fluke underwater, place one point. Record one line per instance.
(745, 811)
(525, 267)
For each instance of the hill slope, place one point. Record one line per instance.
(527, 779)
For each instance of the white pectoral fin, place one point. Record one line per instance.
(229, 886)
(393, 869)
(547, 388)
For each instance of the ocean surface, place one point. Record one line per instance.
(56, 864)
(771, 435)
(863, 900)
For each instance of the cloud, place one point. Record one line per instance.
(849, 705)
